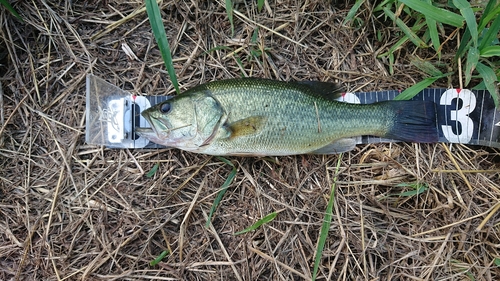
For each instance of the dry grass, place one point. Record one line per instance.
(69, 211)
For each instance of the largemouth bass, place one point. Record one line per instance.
(260, 117)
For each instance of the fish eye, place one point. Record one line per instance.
(165, 108)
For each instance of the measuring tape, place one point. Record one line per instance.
(463, 116)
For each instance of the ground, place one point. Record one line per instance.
(73, 211)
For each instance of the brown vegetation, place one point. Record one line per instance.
(71, 211)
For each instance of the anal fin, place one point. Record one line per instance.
(338, 146)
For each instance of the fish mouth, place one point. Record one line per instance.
(145, 130)
(149, 132)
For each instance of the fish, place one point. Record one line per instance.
(264, 117)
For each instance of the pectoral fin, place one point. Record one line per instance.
(338, 146)
(248, 126)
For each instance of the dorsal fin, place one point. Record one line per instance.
(326, 90)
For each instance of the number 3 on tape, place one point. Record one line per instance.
(461, 127)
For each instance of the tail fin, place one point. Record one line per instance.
(414, 121)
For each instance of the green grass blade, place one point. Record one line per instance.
(470, 18)
(260, 5)
(418, 188)
(415, 89)
(326, 222)
(406, 30)
(490, 51)
(491, 34)
(225, 161)
(229, 11)
(433, 32)
(385, 3)
(217, 48)
(153, 170)
(161, 39)
(470, 64)
(411, 193)
(425, 66)
(390, 54)
(255, 36)
(257, 224)
(489, 13)
(11, 9)
(394, 47)
(240, 65)
(352, 12)
(414, 185)
(490, 80)
(465, 42)
(391, 62)
(159, 258)
(223, 190)
(438, 14)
